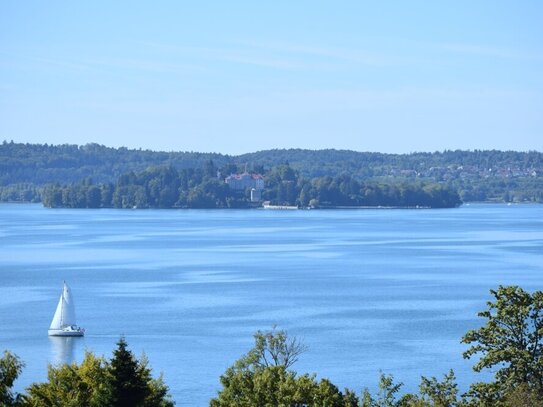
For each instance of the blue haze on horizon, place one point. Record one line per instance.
(235, 77)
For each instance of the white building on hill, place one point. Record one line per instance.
(243, 181)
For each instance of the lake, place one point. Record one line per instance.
(367, 290)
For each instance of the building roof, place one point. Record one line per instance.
(244, 175)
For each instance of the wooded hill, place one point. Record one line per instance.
(493, 175)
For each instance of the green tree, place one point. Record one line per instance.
(432, 393)
(198, 198)
(210, 170)
(129, 387)
(273, 348)
(262, 378)
(10, 368)
(439, 393)
(276, 386)
(63, 388)
(94, 197)
(157, 390)
(74, 385)
(388, 391)
(510, 342)
(93, 371)
(97, 382)
(106, 195)
(386, 396)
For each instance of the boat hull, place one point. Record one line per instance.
(60, 332)
(280, 207)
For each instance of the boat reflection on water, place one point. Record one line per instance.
(63, 349)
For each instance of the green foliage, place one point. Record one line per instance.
(262, 378)
(132, 383)
(71, 385)
(165, 187)
(96, 382)
(432, 393)
(388, 391)
(21, 192)
(10, 369)
(129, 387)
(484, 395)
(272, 348)
(386, 396)
(156, 187)
(506, 176)
(523, 396)
(440, 394)
(276, 386)
(509, 342)
(42, 164)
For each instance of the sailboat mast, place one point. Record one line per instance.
(63, 301)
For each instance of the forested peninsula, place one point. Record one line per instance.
(166, 187)
(96, 176)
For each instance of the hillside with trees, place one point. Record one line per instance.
(499, 176)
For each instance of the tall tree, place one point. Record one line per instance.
(510, 342)
(128, 386)
(262, 378)
(274, 348)
(386, 396)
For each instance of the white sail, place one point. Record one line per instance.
(65, 312)
(68, 312)
(56, 323)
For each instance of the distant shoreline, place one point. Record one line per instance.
(260, 208)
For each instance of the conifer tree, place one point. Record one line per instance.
(129, 387)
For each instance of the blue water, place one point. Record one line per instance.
(367, 290)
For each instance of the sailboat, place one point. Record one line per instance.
(63, 323)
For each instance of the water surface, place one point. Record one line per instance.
(367, 290)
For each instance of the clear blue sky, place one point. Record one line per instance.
(234, 77)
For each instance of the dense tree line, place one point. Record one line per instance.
(509, 343)
(285, 187)
(156, 187)
(493, 175)
(42, 164)
(331, 162)
(166, 187)
(527, 189)
(20, 193)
